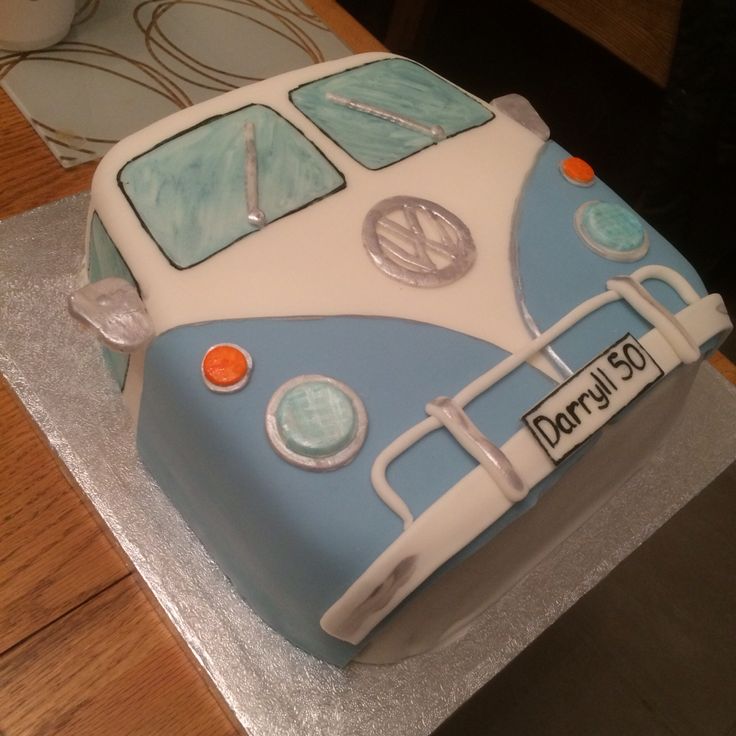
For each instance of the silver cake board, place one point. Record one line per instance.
(272, 687)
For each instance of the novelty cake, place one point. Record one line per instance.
(368, 325)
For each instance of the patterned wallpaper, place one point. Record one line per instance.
(127, 63)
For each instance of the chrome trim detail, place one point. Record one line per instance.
(256, 216)
(657, 315)
(418, 242)
(518, 108)
(112, 308)
(435, 132)
(490, 457)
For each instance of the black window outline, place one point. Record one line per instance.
(408, 155)
(202, 123)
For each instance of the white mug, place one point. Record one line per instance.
(34, 24)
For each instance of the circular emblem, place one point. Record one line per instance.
(418, 242)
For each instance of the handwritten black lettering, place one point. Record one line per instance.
(555, 438)
(600, 397)
(590, 398)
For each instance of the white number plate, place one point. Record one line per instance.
(593, 396)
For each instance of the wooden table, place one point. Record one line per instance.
(82, 650)
(642, 33)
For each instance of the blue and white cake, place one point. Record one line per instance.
(370, 327)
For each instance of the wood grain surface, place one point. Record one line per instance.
(29, 174)
(641, 33)
(108, 667)
(726, 368)
(345, 26)
(53, 556)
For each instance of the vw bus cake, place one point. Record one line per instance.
(367, 325)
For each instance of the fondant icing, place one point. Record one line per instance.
(402, 266)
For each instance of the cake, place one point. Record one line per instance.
(385, 344)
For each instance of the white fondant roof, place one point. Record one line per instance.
(313, 262)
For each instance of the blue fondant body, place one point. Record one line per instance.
(293, 540)
(558, 271)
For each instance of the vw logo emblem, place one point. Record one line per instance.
(418, 242)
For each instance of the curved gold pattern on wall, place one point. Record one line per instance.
(72, 148)
(85, 11)
(61, 53)
(75, 149)
(104, 40)
(163, 50)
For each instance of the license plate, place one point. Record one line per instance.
(593, 396)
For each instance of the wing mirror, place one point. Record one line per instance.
(520, 109)
(113, 310)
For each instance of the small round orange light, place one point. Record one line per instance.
(577, 171)
(226, 367)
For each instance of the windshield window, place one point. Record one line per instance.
(397, 91)
(192, 193)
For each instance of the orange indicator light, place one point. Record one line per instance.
(226, 367)
(577, 171)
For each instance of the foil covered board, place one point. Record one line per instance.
(272, 687)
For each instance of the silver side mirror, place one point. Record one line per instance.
(520, 109)
(113, 310)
